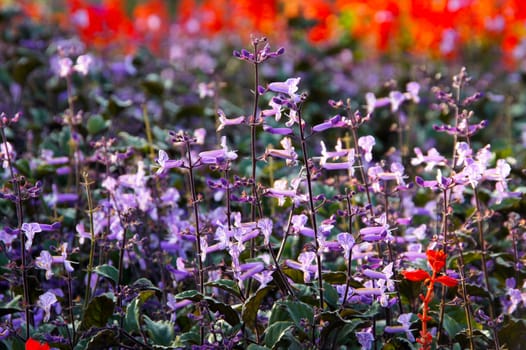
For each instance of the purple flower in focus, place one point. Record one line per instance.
(304, 264)
(165, 163)
(365, 339)
(30, 230)
(45, 302)
(404, 327)
(432, 159)
(224, 121)
(366, 143)
(347, 242)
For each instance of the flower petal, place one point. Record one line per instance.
(416, 275)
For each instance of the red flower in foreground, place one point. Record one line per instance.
(32, 344)
(437, 260)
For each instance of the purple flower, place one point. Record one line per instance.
(347, 242)
(365, 339)
(165, 163)
(288, 152)
(376, 233)
(276, 108)
(6, 149)
(219, 156)
(335, 122)
(45, 302)
(30, 230)
(224, 121)
(277, 131)
(404, 327)
(83, 64)
(289, 87)
(298, 225)
(304, 264)
(432, 159)
(413, 88)
(366, 143)
(264, 278)
(396, 98)
(265, 226)
(281, 191)
(64, 67)
(373, 103)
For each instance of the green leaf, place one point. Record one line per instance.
(135, 142)
(99, 310)
(145, 284)
(153, 84)
(161, 332)
(335, 277)
(131, 319)
(116, 105)
(22, 165)
(96, 124)
(299, 311)
(189, 338)
(275, 331)
(251, 306)
(507, 204)
(190, 294)
(103, 340)
(231, 316)
(476, 290)
(331, 295)
(451, 326)
(108, 271)
(8, 311)
(336, 330)
(23, 67)
(226, 285)
(513, 335)
(257, 347)
(295, 275)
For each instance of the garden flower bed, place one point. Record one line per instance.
(243, 192)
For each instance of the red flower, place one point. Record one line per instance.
(416, 276)
(447, 281)
(436, 259)
(32, 344)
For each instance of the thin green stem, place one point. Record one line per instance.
(87, 292)
(312, 207)
(20, 219)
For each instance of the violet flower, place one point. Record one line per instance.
(373, 102)
(412, 90)
(347, 242)
(396, 98)
(366, 143)
(219, 156)
(404, 327)
(224, 121)
(335, 122)
(304, 264)
(265, 226)
(45, 302)
(365, 339)
(281, 191)
(432, 159)
(288, 152)
(165, 163)
(298, 225)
